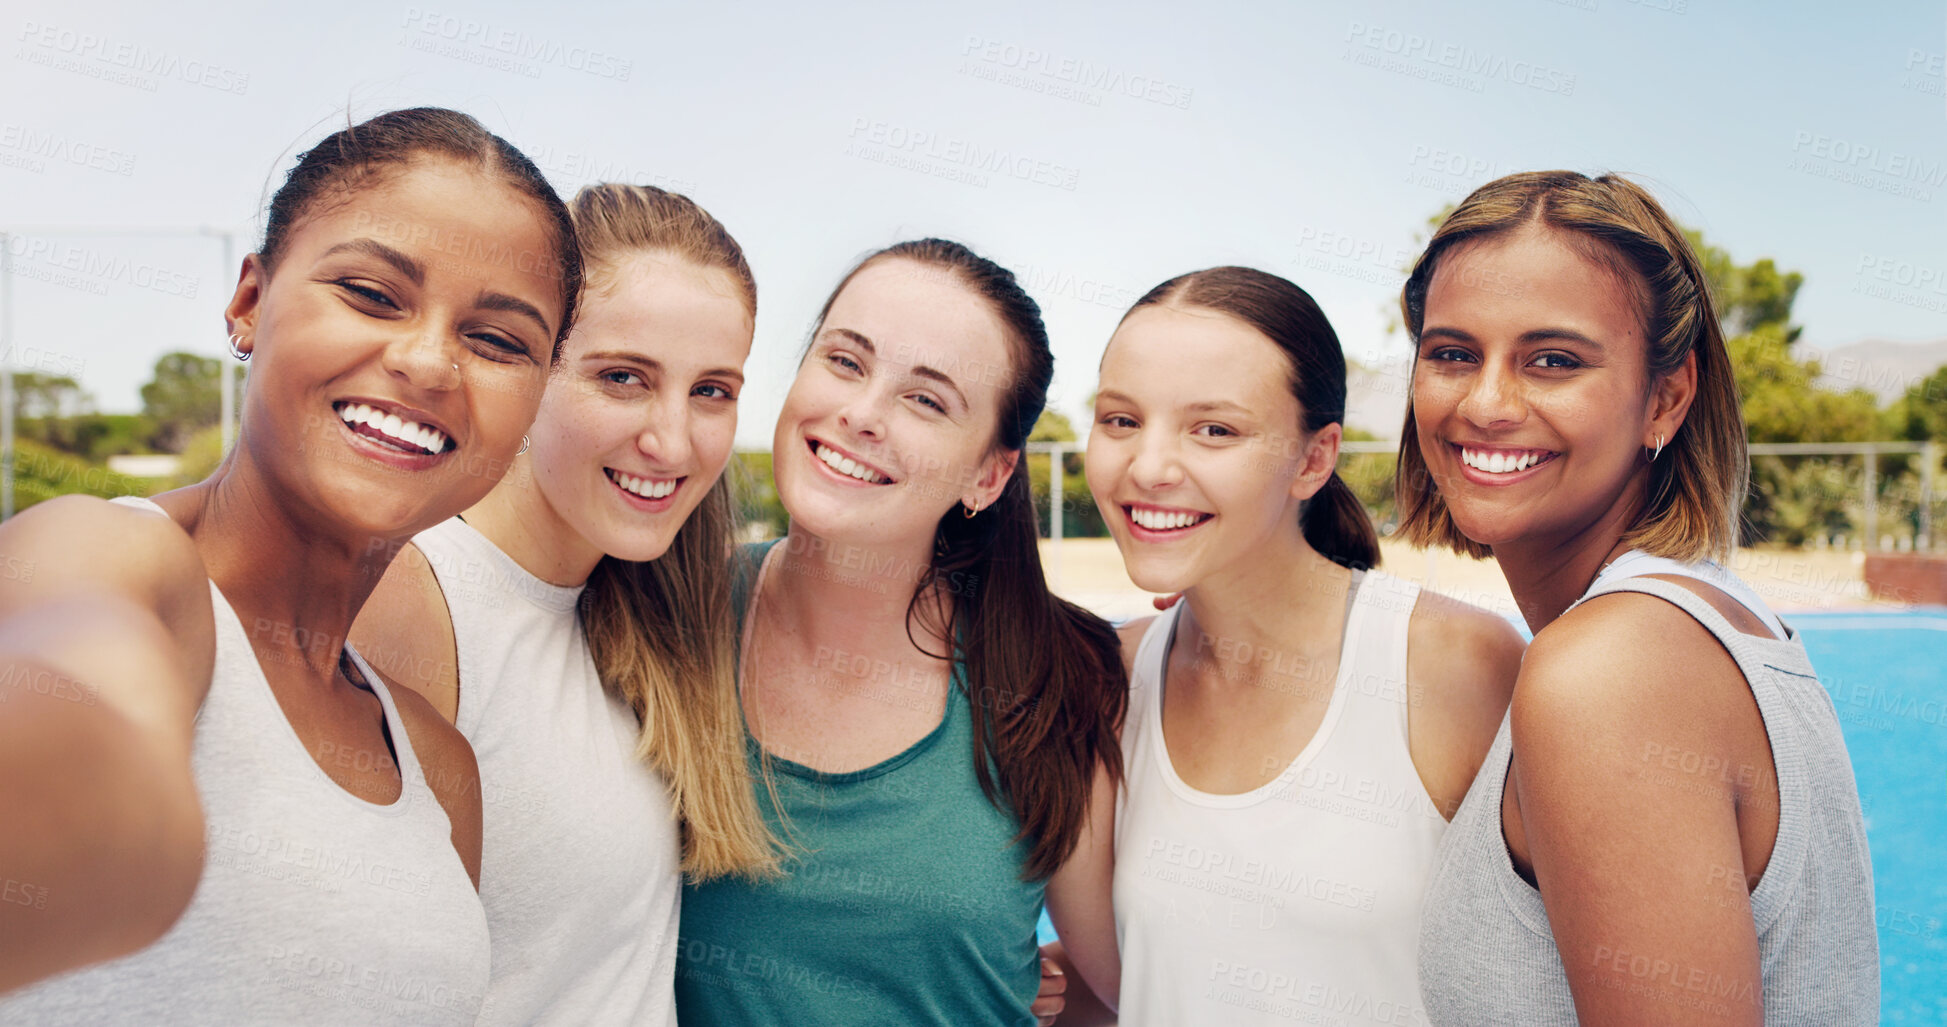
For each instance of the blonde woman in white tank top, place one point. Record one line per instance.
(490, 617)
(1297, 730)
(205, 729)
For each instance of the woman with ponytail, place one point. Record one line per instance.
(933, 731)
(575, 626)
(1301, 725)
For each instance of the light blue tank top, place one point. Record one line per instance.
(902, 904)
(1487, 955)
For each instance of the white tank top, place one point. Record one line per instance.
(315, 906)
(1298, 901)
(580, 865)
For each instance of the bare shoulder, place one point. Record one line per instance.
(1465, 653)
(1131, 633)
(1461, 665)
(84, 542)
(405, 631)
(1625, 664)
(75, 549)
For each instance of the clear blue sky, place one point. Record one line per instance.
(1096, 148)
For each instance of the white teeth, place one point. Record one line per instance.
(647, 488)
(1158, 520)
(411, 433)
(845, 465)
(1500, 463)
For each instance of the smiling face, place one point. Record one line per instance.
(1198, 459)
(355, 407)
(639, 418)
(1531, 392)
(891, 419)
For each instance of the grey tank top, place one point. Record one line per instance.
(1487, 955)
(315, 906)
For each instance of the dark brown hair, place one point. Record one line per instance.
(1044, 676)
(1334, 521)
(366, 154)
(1698, 486)
(661, 631)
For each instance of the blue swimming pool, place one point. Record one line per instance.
(1887, 675)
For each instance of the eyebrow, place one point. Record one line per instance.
(919, 370)
(412, 269)
(416, 273)
(513, 305)
(1533, 336)
(1224, 405)
(656, 365)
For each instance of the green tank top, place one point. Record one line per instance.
(903, 901)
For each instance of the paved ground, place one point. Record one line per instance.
(1089, 572)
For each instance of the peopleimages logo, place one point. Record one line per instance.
(949, 156)
(512, 44)
(1452, 64)
(37, 146)
(1065, 77)
(122, 61)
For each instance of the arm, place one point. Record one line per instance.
(1631, 866)
(106, 647)
(1080, 897)
(405, 632)
(1460, 671)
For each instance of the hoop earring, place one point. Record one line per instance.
(237, 350)
(523, 448)
(1659, 449)
(967, 510)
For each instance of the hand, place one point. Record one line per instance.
(1165, 602)
(1050, 1000)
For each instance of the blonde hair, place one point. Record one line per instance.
(1697, 486)
(661, 631)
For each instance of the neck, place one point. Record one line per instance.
(295, 589)
(1547, 575)
(847, 595)
(1269, 603)
(518, 519)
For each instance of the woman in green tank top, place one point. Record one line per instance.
(932, 731)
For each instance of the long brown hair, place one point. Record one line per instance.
(661, 631)
(1044, 676)
(1334, 521)
(1697, 487)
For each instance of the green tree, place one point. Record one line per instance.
(1792, 499)
(182, 398)
(1079, 518)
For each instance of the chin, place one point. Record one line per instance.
(1155, 577)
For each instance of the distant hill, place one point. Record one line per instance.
(1886, 369)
